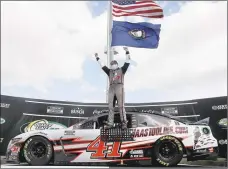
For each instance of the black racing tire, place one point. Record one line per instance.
(167, 151)
(38, 151)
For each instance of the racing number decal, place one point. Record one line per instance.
(115, 150)
(100, 149)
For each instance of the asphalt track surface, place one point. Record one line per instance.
(104, 167)
(25, 165)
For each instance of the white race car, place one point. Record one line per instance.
(164, 140)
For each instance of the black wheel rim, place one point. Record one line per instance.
(38, 149)
(168, 150)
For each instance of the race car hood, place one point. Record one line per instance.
(30, 133)
(50, 134)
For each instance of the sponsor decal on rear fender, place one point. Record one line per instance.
(155, 131)
(41, 125)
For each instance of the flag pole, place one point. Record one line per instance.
(109, 50)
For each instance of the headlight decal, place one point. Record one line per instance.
(15, 140)
(205, 130)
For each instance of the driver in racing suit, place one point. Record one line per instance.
(116, 88)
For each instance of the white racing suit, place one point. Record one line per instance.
(116, 90)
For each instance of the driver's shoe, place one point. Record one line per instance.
(124, 125)
(108, 125)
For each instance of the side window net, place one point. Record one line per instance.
(87, 125)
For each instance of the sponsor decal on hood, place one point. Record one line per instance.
(41, 125)
(3, 121)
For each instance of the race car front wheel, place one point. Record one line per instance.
(38, 151)
(167, 151)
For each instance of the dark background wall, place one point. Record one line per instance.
(17, 113)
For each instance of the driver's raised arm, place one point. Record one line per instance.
(127, 61)
(103, 66)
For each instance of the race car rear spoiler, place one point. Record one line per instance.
(202, 122)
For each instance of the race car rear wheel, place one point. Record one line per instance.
(38, 151)
(167, 151)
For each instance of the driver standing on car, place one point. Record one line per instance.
(116, 88)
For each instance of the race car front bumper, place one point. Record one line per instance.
(202, 154)
(12, 158)
(12, 154)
